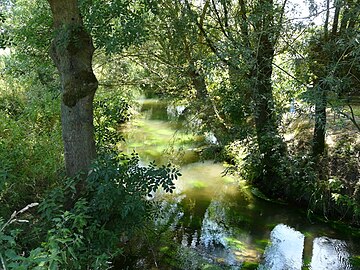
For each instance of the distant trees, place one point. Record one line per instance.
(332, 59)
(221, 67)
(239, 39)
(219, 55)
(216, 57)
(2, 34)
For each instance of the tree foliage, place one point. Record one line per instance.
(271, 89)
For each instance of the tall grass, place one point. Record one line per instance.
(30, 141)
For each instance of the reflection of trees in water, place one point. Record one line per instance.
(329, 254)
(286, 248)
(214, 229)
(214, 220)
(156, 110)
(194, 207)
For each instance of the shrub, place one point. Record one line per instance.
(30, 149)
(109, 113)
(89, 234)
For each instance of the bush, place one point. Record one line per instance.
(109, 113)
(30, 149)
(90, 231)
(89, 234)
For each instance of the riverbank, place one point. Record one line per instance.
(214, 221)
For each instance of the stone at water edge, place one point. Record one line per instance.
(285, 250)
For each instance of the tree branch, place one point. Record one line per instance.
(289, 74)
(350, 117)
(209, 42)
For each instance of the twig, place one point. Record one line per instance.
(2, 262)
(290, 75)
(351, 118)
(13, 219)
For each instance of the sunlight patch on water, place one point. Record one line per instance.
(329, 254)
(285, 250)
(205, 175)
(155, 140)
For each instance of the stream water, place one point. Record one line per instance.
(215, 220)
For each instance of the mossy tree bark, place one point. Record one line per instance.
(72, 51)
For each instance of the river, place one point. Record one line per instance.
(214, 221)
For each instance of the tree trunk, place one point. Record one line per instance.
(209, 112)
(271, 147)
(321, 86)
(72, 52)
(78, 135)
(318, 148)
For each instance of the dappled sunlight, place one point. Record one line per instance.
(206, 174)
(215, 217)
(158, 140)
(187, 135)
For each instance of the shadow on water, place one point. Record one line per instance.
(216, 221)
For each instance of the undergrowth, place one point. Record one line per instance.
(91, 231)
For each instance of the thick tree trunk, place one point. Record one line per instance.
(72, 52)
(264, 111)
(271, 146)
(265, 117)
(78, 135)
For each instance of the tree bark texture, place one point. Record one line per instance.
(72, 50)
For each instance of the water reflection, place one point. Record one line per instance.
(329, 254)
(217, 218)
(285, 250)
(154, 109)
(213, 231)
